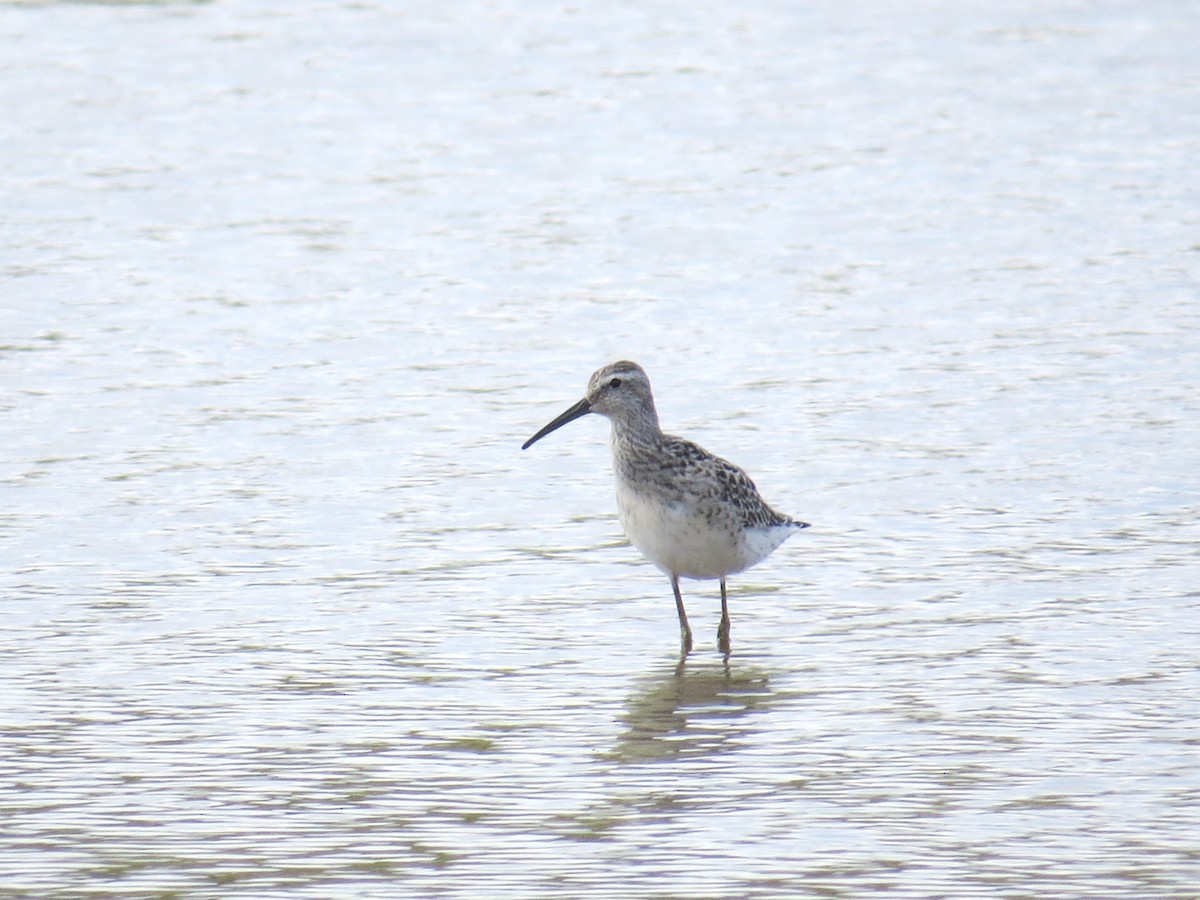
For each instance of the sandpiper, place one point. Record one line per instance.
(692, 514)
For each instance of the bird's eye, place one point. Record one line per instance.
(615, 383)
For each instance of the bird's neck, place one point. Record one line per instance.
(636, 449)
(637, 428)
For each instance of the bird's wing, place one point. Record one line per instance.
(726, 484)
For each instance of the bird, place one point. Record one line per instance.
(691, 513)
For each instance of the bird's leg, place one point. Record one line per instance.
(723, 628)
(685, 631)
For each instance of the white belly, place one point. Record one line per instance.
(682, 541)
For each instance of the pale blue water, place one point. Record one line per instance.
(288, 613)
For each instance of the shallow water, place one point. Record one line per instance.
(287, 611)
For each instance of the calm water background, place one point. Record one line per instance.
(286, 612)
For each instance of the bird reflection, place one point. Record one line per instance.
(691, 710)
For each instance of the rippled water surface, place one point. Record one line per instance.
(288, 613)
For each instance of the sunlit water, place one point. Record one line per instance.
(287, 611)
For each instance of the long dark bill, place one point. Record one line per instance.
(582, 408)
